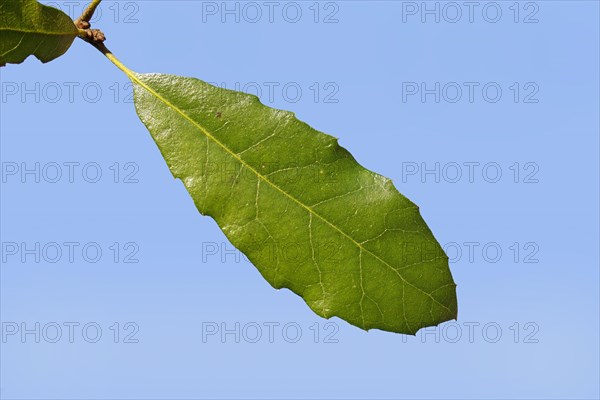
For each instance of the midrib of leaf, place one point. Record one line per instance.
(131, 75)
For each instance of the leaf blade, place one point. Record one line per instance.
(30, 28)
(231, 152)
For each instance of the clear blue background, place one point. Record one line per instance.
(176, 287)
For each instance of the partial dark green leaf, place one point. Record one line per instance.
(308, 216)
(28, 27)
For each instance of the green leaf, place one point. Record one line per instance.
(28, 27)
(307, 215)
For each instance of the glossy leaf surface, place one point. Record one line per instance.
(307, 215)
(28, 27)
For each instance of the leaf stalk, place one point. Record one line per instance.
(108, 54)
(87, 14)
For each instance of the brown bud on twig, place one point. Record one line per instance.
(94, 36)
(82, 24)
(97, 35)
